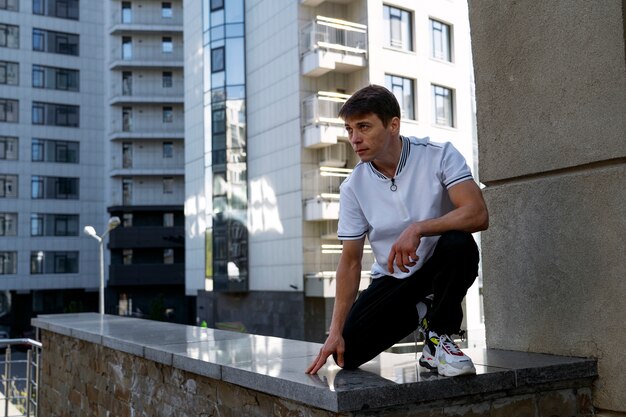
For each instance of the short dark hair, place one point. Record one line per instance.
(372, 99)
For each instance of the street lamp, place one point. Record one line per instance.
(90, 231)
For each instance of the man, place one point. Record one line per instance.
(417, 203)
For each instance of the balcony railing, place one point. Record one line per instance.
(20, 378)
(328, 44)
(322, 126)
(147, 274)
(321, 193)
(149, 19)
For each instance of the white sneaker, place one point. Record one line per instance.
(450, 359)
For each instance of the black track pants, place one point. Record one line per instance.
(386, 311)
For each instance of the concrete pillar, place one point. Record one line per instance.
(551, 100)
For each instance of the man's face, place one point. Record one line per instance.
(368, 137)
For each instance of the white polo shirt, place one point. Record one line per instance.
(368, 204)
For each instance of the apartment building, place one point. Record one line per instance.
(145, 158)
(266, 153)
(51, 157)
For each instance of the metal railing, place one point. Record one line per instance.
(20, 379)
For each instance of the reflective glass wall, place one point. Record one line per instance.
(225, 142)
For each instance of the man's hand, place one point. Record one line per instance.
(404, 251)
(333, 344)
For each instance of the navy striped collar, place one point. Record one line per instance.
(404, 156)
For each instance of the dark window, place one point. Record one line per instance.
(398, 31)
(167, 45)
(441, 35)
(9, 72)
(167, 79)
(9, 110)
(64, 9)
(12, 5)
(402, 88)
(217, 59)
(9, 36)
(9, 147)
(55, 42)
(166, 10)
(443, 106)
(53, 262)
(217, 5)
(55, 78)
(54, 114)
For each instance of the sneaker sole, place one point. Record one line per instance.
(428, 364)
(447, 370)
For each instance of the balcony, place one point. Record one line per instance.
(147, 274)
(322, 127)
(137, 237)
(147, 56)
(321, 193)
(329, 44)
(325, 259)
(145, 21)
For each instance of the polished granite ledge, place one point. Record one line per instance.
(276, 366)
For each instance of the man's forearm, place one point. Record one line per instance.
(348, 280)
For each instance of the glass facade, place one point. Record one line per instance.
(225, 142)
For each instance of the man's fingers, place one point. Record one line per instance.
(318, 363)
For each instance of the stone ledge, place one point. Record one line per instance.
(276, 366)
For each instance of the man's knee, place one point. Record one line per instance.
(458, 243)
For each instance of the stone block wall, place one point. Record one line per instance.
(551, 112)
(81, 378)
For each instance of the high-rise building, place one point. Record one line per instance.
(51, 156)
(266, 153)
(145, 158)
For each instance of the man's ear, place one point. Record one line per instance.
(395, 125)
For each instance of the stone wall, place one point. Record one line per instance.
(551, 110)
(80, 378)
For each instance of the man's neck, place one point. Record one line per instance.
(388, 164)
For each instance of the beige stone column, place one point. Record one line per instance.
(551, 100)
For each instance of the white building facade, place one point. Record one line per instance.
(303, 59)
(51, 156)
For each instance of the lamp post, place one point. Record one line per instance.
(90, 231)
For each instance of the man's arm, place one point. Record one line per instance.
(348, 279)
(470, 215)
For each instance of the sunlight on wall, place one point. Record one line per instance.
(263, 210)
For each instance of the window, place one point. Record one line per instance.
(127, 119)
(65, 9)
(8, 186)
(48, 150)
(54, 262)
(12, 5)
(9, 72)
(217, 5)
(168, 185)
(55, 78)
(8, 263)
(127, 256)
(45, 224)
(168, 149)
(127, 155)
(167, 79)
(55, 42)
(8, 148)
(217, 59)
(9, 110)
(127, 83)
(166, 10)
(127, 191)
(168, 219)
(53, 114)
(127, 220)
(168, 114)
(168, 256)
(127, 12)
(402, 88)
(441, 40)
(166, 45)
(56, 188)
(398, 28)
(443, 99)
(9, 36)
(8, 224)
(127, 47)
